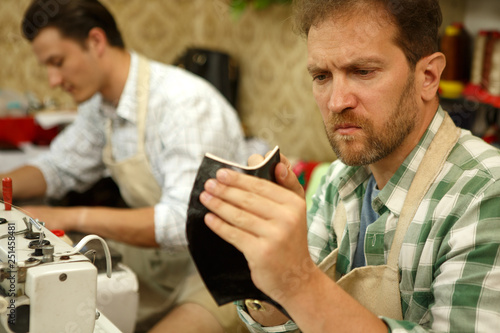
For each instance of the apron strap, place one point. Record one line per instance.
(339, 223)
(339, 220)
(142, 101)
(431, 165)
(145, 190)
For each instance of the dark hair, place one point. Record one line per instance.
(73, 18)
(417, 21)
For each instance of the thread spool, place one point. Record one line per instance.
(7, 192)
(455, 46)
(494, 75)
(488, 53)
(463, 53)
(478, 57)
(449, 46)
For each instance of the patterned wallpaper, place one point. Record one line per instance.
(275, 100)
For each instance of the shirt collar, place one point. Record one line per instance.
(352, 179)
(127, 105)
(394, 193)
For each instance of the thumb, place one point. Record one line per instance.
(287, 178)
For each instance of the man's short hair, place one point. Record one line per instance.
(417, 21)
(73, 18)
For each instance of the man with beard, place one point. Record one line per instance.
(402, 234)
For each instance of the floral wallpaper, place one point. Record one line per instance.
(274, 96)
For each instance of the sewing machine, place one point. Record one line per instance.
(46, 285)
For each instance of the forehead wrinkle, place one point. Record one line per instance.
(353, 63)
(377, 20)
(325, 52)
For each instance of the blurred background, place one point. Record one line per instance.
(274, 96)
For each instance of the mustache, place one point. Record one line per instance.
(347, 116)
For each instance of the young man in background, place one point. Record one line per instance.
(146, 124)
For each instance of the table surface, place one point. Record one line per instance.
(14, 158)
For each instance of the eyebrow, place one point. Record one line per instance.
(313, 69)
(356, 63)
(361, 62)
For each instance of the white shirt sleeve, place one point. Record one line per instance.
(74, 161)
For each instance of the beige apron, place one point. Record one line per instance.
(377, 287)
(159, 273)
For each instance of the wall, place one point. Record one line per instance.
(275, 99)
(453, 11)
(274, 96)
(482, 14)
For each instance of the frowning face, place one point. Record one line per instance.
(363, 86)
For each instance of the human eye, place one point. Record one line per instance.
(364, 72)
(56, 62)
(319, 77)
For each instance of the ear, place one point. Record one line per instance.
(431, 68)
(97, 41)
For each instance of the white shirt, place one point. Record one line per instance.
(186, 119)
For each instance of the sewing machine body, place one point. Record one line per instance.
(43, 289)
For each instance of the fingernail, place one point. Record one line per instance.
(205, 197)
(209, 218)
(222, 175)
(210, 184)
(284, 172)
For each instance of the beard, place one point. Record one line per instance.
(373, 146)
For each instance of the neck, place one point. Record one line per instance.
(117, 65)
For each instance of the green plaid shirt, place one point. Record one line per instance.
(450, 257)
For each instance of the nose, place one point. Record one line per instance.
(55, 77)
(342, 96)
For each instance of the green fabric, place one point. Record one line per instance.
(315, 180)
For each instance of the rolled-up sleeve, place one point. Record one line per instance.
(74, 161)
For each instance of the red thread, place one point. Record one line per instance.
(7, 192)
